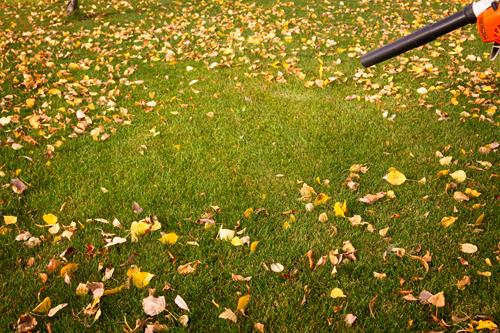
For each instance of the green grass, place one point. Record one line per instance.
(260, 129)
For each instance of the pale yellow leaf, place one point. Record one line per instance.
(228, 314)
(448, 221)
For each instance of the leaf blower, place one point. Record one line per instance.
(485, 13)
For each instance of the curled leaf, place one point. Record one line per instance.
(153, 306)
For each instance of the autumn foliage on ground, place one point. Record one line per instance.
(229, 166)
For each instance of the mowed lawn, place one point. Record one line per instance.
(214, 153)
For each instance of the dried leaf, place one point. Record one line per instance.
(350, 319)
(116, 240)
(153, 306)
(18, 186)
(56, 309)
(277, 267)
(228, 314)
(463, 282)
(372, 198)
(26, 323)
(188, 268)
(468, 248)
(437, 300)
(181, 303)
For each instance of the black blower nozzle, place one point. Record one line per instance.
(420, 37)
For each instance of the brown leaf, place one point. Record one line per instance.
(372, 198)
(26, 323)
(437, 300)
(424, 297)
(309, 255)
(463, 282)
(371, 305)
(18, 186)
(136, 208)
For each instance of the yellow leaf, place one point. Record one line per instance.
(138, 229)
(486, 273)
(50, 218)
(340, 209)
(170, 238)
(9, 219)
(44, 306)
(448, 221)
(74, 66)
(394, 177)
(114, 290)
(30, 102)
(253, 246)
(486, 324)
(243, 302)
(141, 279)
(472, 193)
(442, 173)
(248, 212)
(68, 269)
(321, 199)
(236, 241)
(459, 176)
(54, 91)
(336, 293)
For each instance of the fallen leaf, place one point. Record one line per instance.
(460, 197)
(337, 293)
(259, 327)
(228, 314)
(236, 241)
(468, 248)
(437, 300)
(169, 238)
(153, 306)
(371, 198)
(277, 267)
(141, 279)
(56, 309)
(9, 219)
(26, 323)
(181, 303)
(424, 297)
(350, 319)
(445, 160)
(226, 234)
(136, 208)
(459, 176)
(463, 282)
(307, 192)
(18, 186)
(323, 217)
(243, 303)
(379, 276)
(394, 177)
(50, 218)
(448, 221)
(44, 306)
(321, 199)
(253, 246)
(188, 268)
(116, 240)
(68, 269)
(472, 193)
(340, 209)
(486, 324)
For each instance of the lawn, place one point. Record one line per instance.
(230, 166)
